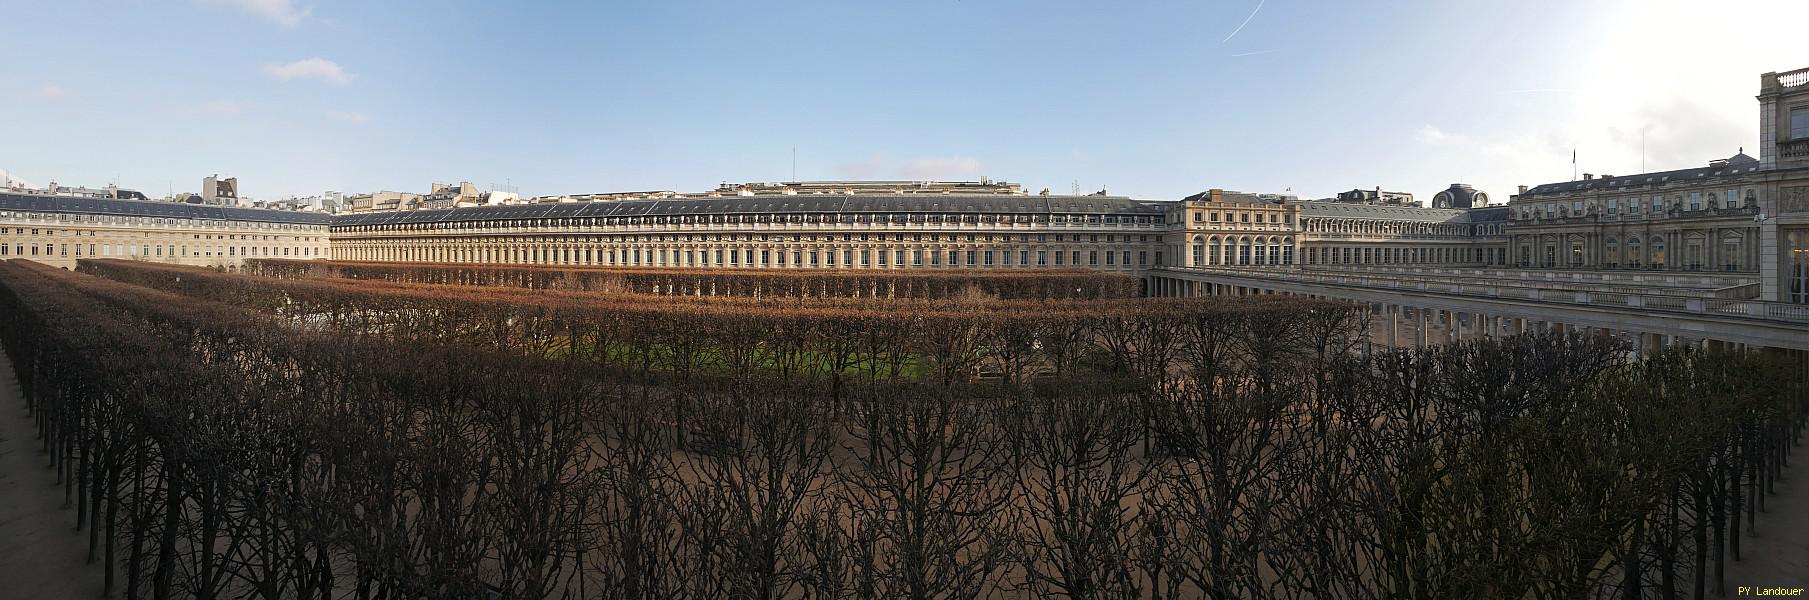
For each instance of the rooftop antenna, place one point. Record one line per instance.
(1075, 190)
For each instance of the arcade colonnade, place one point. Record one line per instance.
(1406, 323)
(1110, 251)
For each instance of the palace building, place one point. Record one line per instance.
(815, 231)
(1740, 219)
(60, 230)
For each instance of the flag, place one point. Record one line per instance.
(1573, 156)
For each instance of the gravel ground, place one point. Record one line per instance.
(41, 554)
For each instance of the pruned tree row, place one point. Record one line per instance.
(376, 439)
(844, 283)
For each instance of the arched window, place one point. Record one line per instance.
(1275, 257)
(1658, 252)
(1287, 251)
(1199, 251)
(1611, 251)
(1218, 253)
(1243, 251)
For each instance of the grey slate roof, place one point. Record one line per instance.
(145, 208)
(804, 203)
(1347, 210)
(1737, 165)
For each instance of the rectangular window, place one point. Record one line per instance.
(1695, 200)
(1799, 123)
(1614, 206)
(1732, 199)
(1092, 257)
(1042, 257)
(1658, 205)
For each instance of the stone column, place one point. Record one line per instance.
(1419, 333)
(1393, 324)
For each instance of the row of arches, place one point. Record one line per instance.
(754, 255)
(1211, 251)
(1383, 227)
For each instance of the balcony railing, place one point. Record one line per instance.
(1712, 303)
(1793, 78)
(1794, 148)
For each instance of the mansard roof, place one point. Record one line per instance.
(1735, 167)
(1347, 210)
(803, 203)
(147, 208)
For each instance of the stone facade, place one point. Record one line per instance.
(820, 231)
(61, 230)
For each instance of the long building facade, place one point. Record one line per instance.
(60, 230)
(817, 231)
(1742, 220)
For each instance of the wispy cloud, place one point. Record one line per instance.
(1240, 26)
(935, 167)
(222, 107)
(281, 12)
(51, 91)
(311, 68)
(1428, 134)
(1252, 53)
(348, 116)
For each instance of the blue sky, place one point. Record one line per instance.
(1148, 99)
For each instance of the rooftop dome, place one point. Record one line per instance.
(1460, 195)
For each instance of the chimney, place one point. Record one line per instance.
(1587, 177)
(1522, 190)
